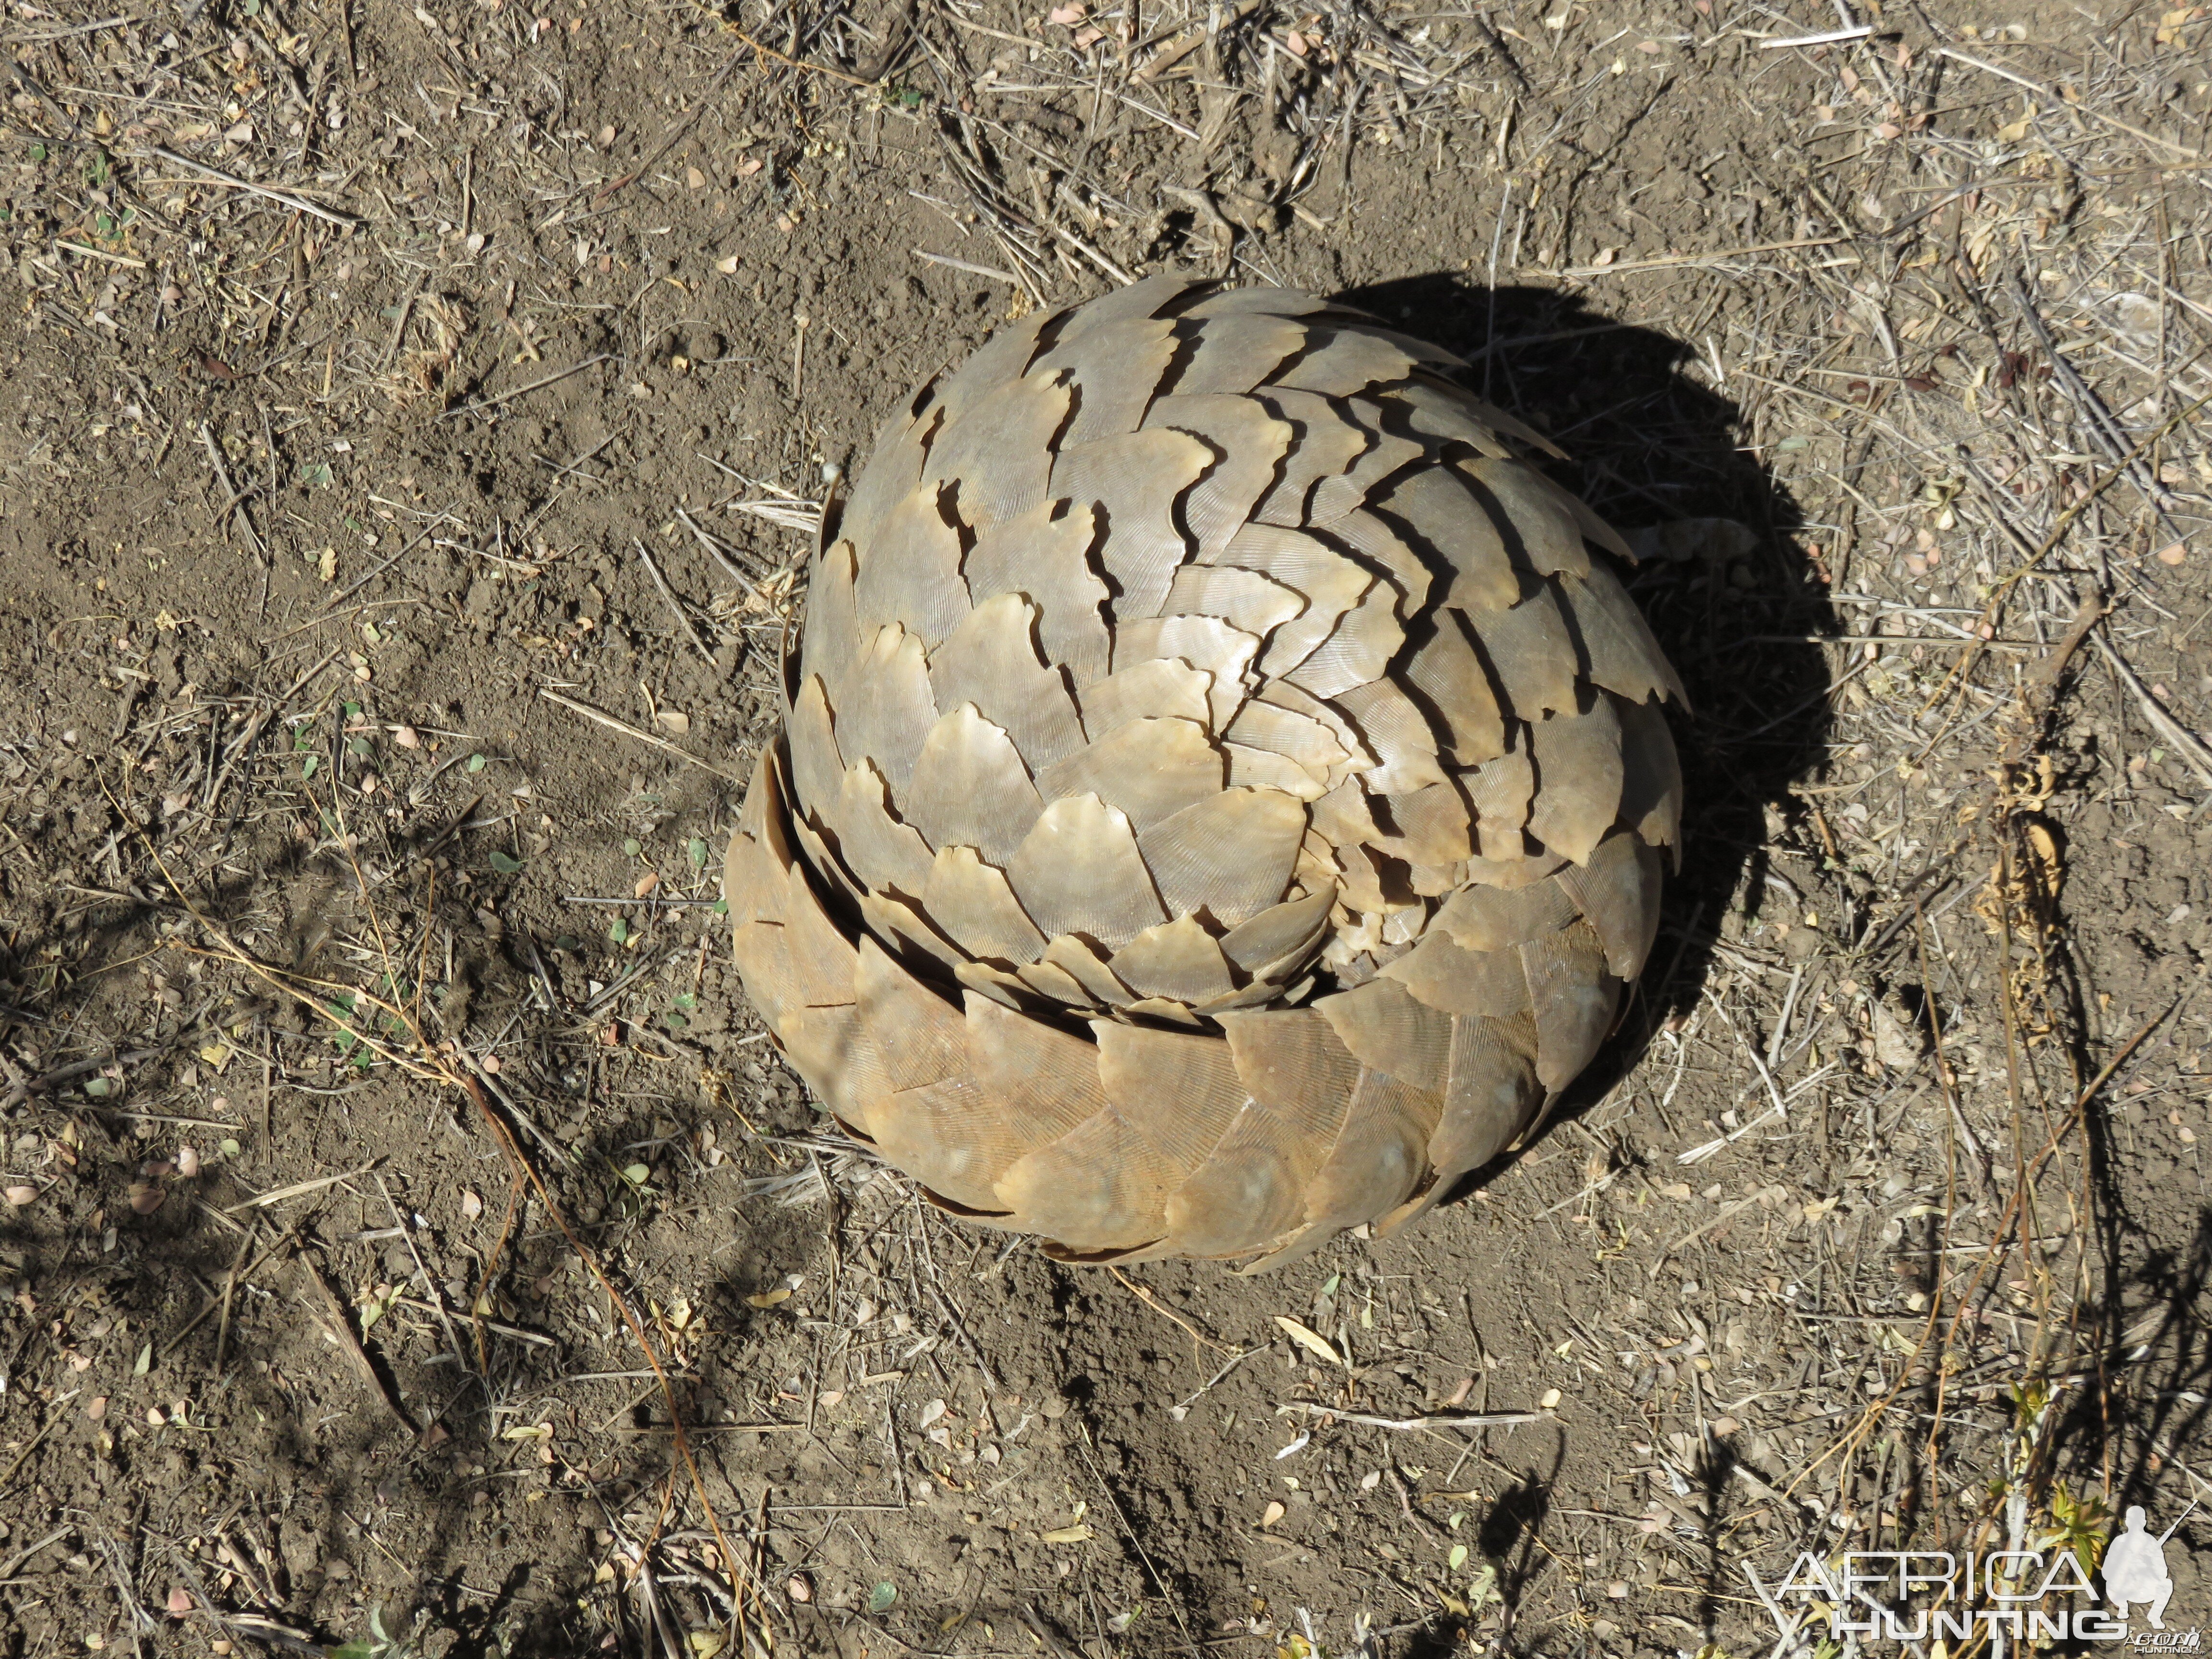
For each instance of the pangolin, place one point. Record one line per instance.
(1223, 789)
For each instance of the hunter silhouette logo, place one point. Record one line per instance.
(2135, 1568)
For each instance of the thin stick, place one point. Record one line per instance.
(2072, 102)
(340, 1325)
(1434, 1421)
(1828, 39)
(101, 253)
(613, 724)
(677, 129)
(972, 269)
(1672, 261)
(2193, 748)
(682, 617)
(297, 204)
(234, 498)
(554, 379)
(27, 37)
(348, 593)
(229, 1290)
(715, 552)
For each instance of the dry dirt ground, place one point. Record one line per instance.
(411, 416)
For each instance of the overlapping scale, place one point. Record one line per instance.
(1223, 794)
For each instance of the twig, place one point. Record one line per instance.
(614, 724)
(340, 1325)
(2193, 748)
(16, 1096)
(682, 617)
(297, 204)
(677, 129)
(553, 378)
(2072, 101)
(234, 497)
(347, 593)
(1832, 38)
(970, 267)
(1671, 261)
(1433, 1420)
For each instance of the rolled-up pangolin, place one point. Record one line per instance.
(1221, 795)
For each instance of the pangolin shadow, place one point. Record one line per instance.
(1649, 445)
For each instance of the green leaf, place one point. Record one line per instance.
(97, 1087)
(685, 1001)
(698, 851)
(144, 1363)
(476, 763)
(506, 863)
(1457, 1559)
(362, 747)
(678, 1022)
(230, 1147)
(38, 152)
(633, 846)
(352, 711)
(881, 1597)
(620, 932)
(721, 907)
(316, 475)
(636, 1174)
(307, 767)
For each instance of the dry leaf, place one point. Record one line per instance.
(471, 1206)
(770, 1298)
(646, 883)
(20, 1195)
(1272, 1514)
(669, 720)
(1550, 1402)
(1896, 1044)
(2171, 554)
(1075, 1534)
(96, 1407)
(1310, 1340)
